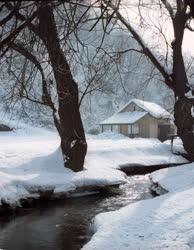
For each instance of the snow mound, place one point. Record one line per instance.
(166, 222)
(107, 151)
(184, 176)
(177, 145)
(100, 178)
(33, 164)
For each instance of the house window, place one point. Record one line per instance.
(133, 129)
(106, 128)
(129, 129)
(115, 128)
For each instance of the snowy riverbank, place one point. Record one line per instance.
(113, 150)
(165, 222)
(31, 163)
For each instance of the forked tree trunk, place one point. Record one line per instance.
(68, 122)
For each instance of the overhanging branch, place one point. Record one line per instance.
(46, 98)
(12, 36)
(146, 51)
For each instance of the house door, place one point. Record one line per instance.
(163, 132)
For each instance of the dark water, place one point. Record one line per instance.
(65, 225)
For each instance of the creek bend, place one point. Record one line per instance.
(66, 225)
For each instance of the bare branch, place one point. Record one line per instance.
(46, 98)
(12, 36)
(169, 8)
(21, 17)
(11, 14)
(145, 49)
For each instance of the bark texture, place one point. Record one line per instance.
(182, 109)
(68, 120)
(184, 123)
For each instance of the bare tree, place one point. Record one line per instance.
(27, 26)
(174, 73)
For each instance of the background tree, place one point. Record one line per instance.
(171, 65)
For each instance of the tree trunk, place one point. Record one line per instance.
(68, 121)
(182, 109)
(184, 123)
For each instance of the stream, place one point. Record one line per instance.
(66, 225)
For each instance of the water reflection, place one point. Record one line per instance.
(65, 225)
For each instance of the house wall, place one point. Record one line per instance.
(168, 122)
(165, 128)
(110, 127)
(153, 128)
(105, 128)
(124, 129)
(149, 127)
(144, 126)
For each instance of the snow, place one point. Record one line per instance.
(164, 222)
(177, 145)
(189, 94)
(152, 108)
(192, 111)
(31, 162)
(100, 177)
(106, 135)
(184, 176)
(110, 150)
(124, 118)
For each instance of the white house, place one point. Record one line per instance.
(140, 118)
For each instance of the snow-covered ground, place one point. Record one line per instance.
(165, 222)
(177, 145)
(111, 150)
(31, 162)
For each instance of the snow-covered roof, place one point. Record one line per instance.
(153, 109)
(124, 118)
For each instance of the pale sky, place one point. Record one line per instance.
(151, 34)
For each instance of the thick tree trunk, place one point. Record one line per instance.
(68, 122)
(184, 122)
(182, 109)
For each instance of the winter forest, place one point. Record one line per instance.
(97, 124)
